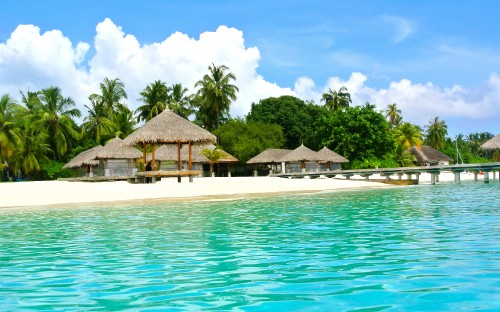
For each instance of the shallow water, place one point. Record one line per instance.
(413, 248)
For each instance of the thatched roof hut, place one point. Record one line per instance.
(301, 154)
(269, 156)
(116, 150)
(491, 144)
(87, 157)
(327, 155)
(168, 127)
(168, 152)
(427, 155)
(226, 158)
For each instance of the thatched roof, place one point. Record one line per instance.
(492, 144)
(302, 153)
(225, 157)
(87, 157)
(428, 154)
(169, 127)
(269, 156)
(116, 150)
(327, 155)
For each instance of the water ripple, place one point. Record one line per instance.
(416, 248)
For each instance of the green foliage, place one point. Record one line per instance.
(337, 100)
(244, 140)
(436, 133)
(300, 121)
(213, 157)
(372, 162)
(408, 135)
(359, 134)
(54, 170)
(154, 97)
(215, 94)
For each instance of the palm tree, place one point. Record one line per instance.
(97, 125)
(336, 100)
(213, 157)
(393, 113)
(179, 102)
(215, 95)
(112, 93)
(31, 153)
(54, 116)
(154, 97)
(8, 130)
(125, 122)
(436, 133)
(408, 135)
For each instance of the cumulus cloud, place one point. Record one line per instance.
(31, 60)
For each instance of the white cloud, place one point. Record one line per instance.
(30, 60)
(402, 27)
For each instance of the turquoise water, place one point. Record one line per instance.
(416, 248)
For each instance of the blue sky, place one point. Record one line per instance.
(433, 58)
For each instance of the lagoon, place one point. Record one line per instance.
(406, 248)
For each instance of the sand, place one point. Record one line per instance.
(65, 193)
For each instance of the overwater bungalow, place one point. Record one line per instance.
(85, 164)
(271, 159)
(428, 156)
(117, 160)
(302, 159)
(330, 160)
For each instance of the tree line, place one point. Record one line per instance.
(40, 134)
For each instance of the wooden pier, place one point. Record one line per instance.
(409, 172)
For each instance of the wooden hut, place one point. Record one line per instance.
(85, 163)
(330, 160)
(493, 145)
(429, 156)
(302, 159)
(169, 128)
(271, 158)
(118, 160)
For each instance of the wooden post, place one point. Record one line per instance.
(153, 161)
(486, 177)
(475, 175)
(228, 170)
(144, 156)
(179, 160)
(433, 178)
(190, 165)
(457, 176)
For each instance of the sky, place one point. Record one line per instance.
(431, 58)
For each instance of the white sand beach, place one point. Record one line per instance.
(48, 193)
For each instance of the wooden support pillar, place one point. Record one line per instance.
(179, 160)
(433, 178)
(457, 176)
(255, 172)
(190, 165)
(408, 176)
(486, 177)
(417, 177)
(475, 175)
(400, 176)
(228, 170)
(153, 161)
(144, 156)
(303, 166)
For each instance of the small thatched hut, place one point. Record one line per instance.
(302, 159)
(272, 158)
(117, 159)
(330, 160)
(169, 128)
(491, 144)
(429, 156)
(85, 163)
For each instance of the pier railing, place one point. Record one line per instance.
(408, 171)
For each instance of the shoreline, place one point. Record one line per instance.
(46, 194)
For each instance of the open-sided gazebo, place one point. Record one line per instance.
(169, 128)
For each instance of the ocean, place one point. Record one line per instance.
(416, 248)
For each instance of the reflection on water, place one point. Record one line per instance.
(413, 248)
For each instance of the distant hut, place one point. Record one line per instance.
(493, 145)
(302, 159)
(428, 156)
(330, 160)
(226, 158)
(85, 163)
(272, 158)
(118, 160)
(169, 128)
